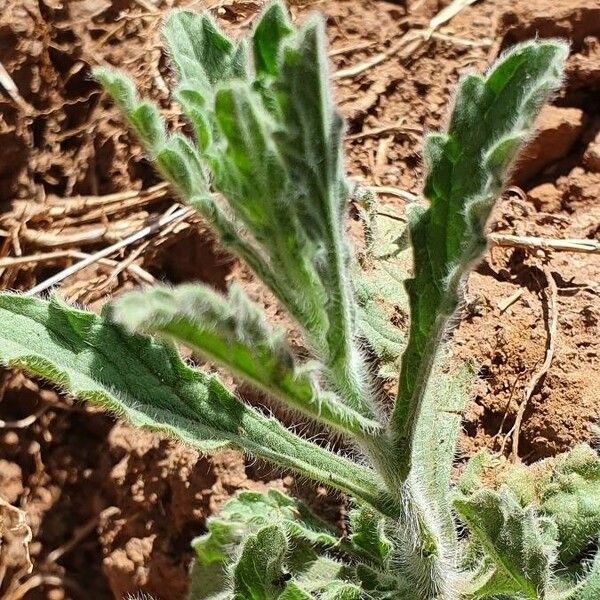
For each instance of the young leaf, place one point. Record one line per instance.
(255, 510)
(310, 142)
(248, 513)
(571, 496)
(271, 30)
(215, 551)
(368, 535)
(276, 156)
(146, 382)
(589, 587)
(257, 574)
(339, 590)
(520, 546)
(565, 488)
(380, 293)
(293, 591)
(466, 169)
(143, 116)
(178, 161)
(319, 573)
(233, 331)
(201, 53)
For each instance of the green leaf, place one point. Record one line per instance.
(248, 513)
(293, 591)
(472, 478)
(276, 157)
(209, 577)
(589, 588)
(272, 27)
(146, 382)
(565, 488)
(368, 535)
(148, 124)
(436, 439)
(379, 281)
(258, 573)
(195, 105)
(257, 510)
(178, 161)
(199, 50)
(143, 116)
(520, 546)
(310, 143)
(120, 87)
(252, 174)
(466, 169)
(380, 585)
(339, 590)
(571, 496)
(233, 332)
(584, 585)
(253, 179)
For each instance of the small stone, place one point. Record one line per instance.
(11, 481)
(546, 198)
(573, 20)
(10, 439)
(591, 157)
(556, 131)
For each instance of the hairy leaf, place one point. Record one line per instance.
(571, 496)
(291, 203)
(201, 53)
(338, 590)
(436, 439)
(271, 30)
(368, 535)
(258, 573)
(233, 331)
(143, 116)
(298, 566)
(215, 551)
(565, 488)
(380, 293)
(256, 509)
(311, 144)
(520, 546)
(293, 591)
(146, 382)
(467, 167)
(582, 585)
(589, 587)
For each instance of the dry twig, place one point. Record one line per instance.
(410, 41)
(546, 244)
(552, 326)
(352, 48)
(180, 214)
(32, 583)
(14, 530)
(15, 261)
(394, 191)
(25, 421)
(399, 127)
(506, 302)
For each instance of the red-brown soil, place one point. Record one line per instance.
(113, 510)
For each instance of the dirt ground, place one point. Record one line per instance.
(113, 510)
